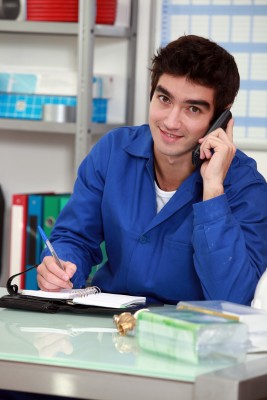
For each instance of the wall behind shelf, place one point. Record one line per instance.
(39, 50)
(107, 62)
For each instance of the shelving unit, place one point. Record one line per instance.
(86, 132)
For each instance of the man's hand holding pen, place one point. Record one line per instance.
(51, 277)
(54, 274)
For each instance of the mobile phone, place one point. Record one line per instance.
(221, 122)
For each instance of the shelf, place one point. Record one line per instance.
(51, 127)
(37, 126)
(112, 31)
(60, 28)
(86, 30)
(100, 129)
(63, 28)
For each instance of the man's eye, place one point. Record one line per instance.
(164, 99)
(194, 109)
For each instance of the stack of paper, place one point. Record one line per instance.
(191, 336)
(255, 319)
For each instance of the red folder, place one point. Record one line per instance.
(19, 213)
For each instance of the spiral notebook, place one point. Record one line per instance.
(80, 301)
(91, 296)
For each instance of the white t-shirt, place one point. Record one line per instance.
(162, 197)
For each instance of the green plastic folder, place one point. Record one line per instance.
(191, 336)
(53, 205)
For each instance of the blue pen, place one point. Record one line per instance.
(50, 247)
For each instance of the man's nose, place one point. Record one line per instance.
(173, 119)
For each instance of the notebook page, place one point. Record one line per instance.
(110, 300)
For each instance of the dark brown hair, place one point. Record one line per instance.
(202, 62)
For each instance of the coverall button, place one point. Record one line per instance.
(144, 239)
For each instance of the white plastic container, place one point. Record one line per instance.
(260, 296)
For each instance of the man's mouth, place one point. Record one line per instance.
(170, 135)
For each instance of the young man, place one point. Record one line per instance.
(173, 231)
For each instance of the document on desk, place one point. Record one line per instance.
(255, 319)
(91, 296)
(192, 336)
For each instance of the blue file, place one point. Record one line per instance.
(34, 240)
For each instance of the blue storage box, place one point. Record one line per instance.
(23, 106)
(100, 109)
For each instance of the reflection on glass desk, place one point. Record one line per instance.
(84, 356)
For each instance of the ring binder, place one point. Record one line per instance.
(13, 289)
(2, 212)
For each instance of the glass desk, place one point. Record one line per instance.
(83, 356)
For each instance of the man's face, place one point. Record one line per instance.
(180, 113)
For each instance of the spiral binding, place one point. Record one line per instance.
(86, 291)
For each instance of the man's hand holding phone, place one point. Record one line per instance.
(216, 153)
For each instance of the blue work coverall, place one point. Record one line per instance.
(191, 249)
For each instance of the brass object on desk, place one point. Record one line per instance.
(124, 322)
